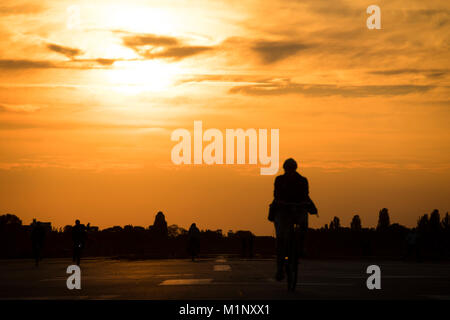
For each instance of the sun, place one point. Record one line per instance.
(138, 76)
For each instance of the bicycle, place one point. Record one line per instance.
(296, 226)
(77, 253)
(294, 245)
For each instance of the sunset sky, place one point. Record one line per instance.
(90, 92)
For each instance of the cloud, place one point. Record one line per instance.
(273, 51)
(149, 39)
(282, 87)
(18, 64)
(26, 108)
(10, 64)
(151, 46)
(431, 73)
(222, 78)
(67, 51)
(80, 64)
(178, 53)
(105, 62)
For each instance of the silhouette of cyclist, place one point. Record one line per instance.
(194, 241)
(78, 237)
(37, 241)
(290, 206)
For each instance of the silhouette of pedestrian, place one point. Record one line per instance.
(78, 238)
(37, 241)
(193, 241)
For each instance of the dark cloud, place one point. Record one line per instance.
(437, 17)
(151, 46)
(177, 53)
(105, 62)
(432, 73)
(222, 78)
(325, 90)
(81, 64)
(9, 64)
(67, 51)
(273, 51)
(92, 63)
(149, 39)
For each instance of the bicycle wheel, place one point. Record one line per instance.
(292, 260)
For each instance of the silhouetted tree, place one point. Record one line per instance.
(160, 225)
(128, 228)
(335, 224)
(383, 220)
(422, 223)
(10, 219)
(175, 231)
(446, 222)
(356, 223)
(434, 224)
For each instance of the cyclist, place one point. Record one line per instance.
(290, 206)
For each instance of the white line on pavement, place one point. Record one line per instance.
(222, 267)
(183, 282)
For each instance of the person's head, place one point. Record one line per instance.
(290, 165)
(193, 225)
(77, 222)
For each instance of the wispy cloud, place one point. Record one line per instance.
(10, 64)
(14, 108)
(431, 73)
(324, 90)
(273, 51)
(137, 40)
(151, 46)
(67, 51)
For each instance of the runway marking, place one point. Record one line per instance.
(107, 296)
(47, 298)
(222, 267)
(221, 259)
(53, 279)
(332, 284)
(184, 282)
(175, 275)
(393, 277)
(339, 284)
(280, 283)
(438, 297)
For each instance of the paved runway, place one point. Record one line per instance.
(220, 277)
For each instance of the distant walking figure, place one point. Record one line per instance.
(37, 241)
(193, 241)
(289, 212)
(78, 238)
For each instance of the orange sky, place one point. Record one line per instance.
(90, 92)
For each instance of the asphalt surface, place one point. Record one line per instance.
(220, 277)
